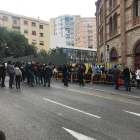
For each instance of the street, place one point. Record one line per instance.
(93, 112)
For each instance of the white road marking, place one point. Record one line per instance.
(132, 113)
(72, 108)
(78, 135)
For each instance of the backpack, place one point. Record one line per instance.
(18, 72)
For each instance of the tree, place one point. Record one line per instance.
(42, 53)
(3, 40)
(55, 51)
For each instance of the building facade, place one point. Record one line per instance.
(118, 25)
(35, 30)
(64, 26)
(79, 55)
(85, 32)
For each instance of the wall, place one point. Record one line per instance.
(55, 59)
(51, 26)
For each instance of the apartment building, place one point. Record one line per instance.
(64, 26)
(85, 32)
(35, 30)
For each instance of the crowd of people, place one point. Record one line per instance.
(39, 73)
(35, 73)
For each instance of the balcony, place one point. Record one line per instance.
(15, 25)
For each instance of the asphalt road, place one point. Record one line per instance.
(69, 113)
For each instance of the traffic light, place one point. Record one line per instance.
(107, 48)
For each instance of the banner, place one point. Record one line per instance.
(112, 65)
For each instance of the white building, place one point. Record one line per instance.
(56, 41)
(64, 26)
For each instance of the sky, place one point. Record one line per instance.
(46, 9)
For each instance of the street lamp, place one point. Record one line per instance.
(3, 21)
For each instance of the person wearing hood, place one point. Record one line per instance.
(2, 74)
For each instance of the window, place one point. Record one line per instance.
(41, 42)
(84, 37)
(25, 31)
(78, 38)
(84, 23)
(33, 32)
(110, 3)
(95, 42)
(33, 41)
(110, 26)
(33, 24)
(85, 42)
(94, 22)
(41, 26)
(25, 22)
(137, 8)
(95, 47)
(14, 21)
(84, 28)
(94, 32)
(5, 18)
(90, 47)
(84, 32)
(41, 34)
(94, 27)
(95, 38)
(115, 22)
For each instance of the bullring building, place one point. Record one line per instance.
(118, 25)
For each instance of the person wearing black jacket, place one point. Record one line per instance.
(65, 75)
(116, 73)
(48, 74)
(126, 74)
(80, 75)
(2, 74)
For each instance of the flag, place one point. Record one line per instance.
(93, 63)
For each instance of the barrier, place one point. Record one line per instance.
(94, 78)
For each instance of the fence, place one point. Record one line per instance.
(94, 78)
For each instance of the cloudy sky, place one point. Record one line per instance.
(47, 9)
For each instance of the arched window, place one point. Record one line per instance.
(115, 23)
(110, 26)
(113, 56)
(137, 8)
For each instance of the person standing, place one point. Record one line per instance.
(48, 74)
(2, 74)
(126, 74)
(18, 73)
(65, 75)
(11, 72)
(116, 73)
(138, 77)
(31, 69)
(80, 76)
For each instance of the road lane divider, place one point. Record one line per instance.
(83, 112)
(78, 135)
(105, 97)
(112, 92)
(132, 113)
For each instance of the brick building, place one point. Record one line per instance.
(118, 25)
